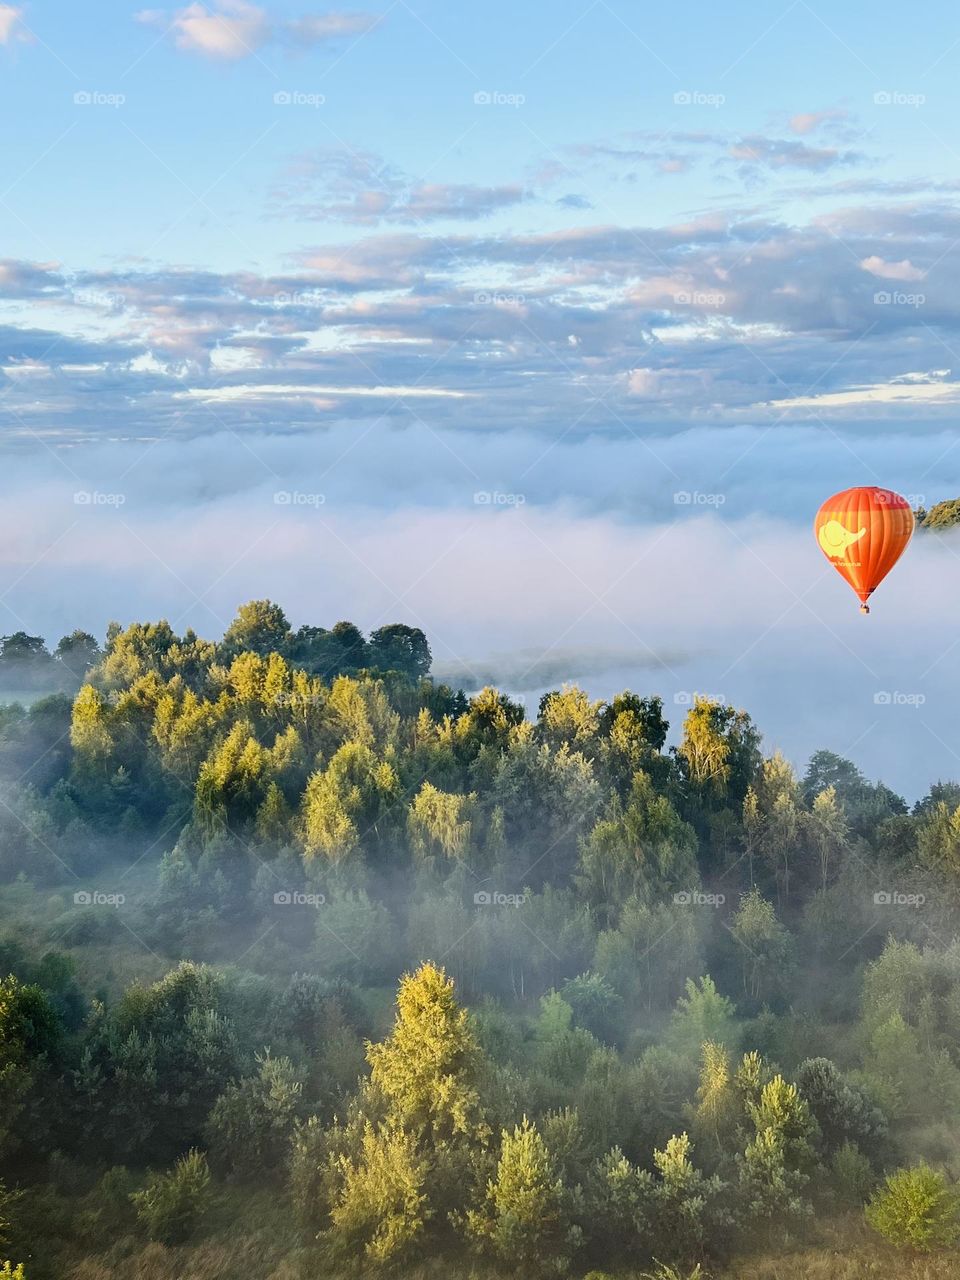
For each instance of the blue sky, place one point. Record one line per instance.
(577, 259)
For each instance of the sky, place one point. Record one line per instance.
(546, 328)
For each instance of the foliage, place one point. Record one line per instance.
(917, 1207)
(172, 1205)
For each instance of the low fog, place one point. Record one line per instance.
(669, 564)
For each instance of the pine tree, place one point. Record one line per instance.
(524, 1223)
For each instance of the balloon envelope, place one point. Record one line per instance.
(863, 532)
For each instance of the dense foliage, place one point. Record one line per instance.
(655, 1006)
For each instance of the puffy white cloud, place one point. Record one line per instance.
(904, 270)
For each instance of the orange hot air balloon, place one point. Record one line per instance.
(863, 533)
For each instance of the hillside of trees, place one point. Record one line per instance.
(942, 515)
(311, 966)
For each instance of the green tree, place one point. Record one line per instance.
(259, 627)
(916, 1207)
(400, 648)
(78, 652)
(382, 1207)
(523, 1223)
(719, 752)
(701, 1015)
(764, 948)
(30, 1033)
(828, 831)
(427, 1066)
(172, 1205)
(440, 825)
(252, 1121)
(774, 1167)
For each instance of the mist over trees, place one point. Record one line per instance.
(311, 965)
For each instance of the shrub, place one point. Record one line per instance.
(250, 1126)
(171, 1205)
(917, 1207)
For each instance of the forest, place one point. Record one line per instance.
(312, 966)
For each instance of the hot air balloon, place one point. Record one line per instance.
(863, 533)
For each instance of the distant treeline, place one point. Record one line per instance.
(27, 665)
(943, 515)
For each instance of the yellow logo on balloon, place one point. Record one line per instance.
(835, 539)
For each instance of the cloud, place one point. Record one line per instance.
(340, 185)
(909, 389)
(725, 317)
(904, 270)
(329, 26)
(234, 29)
(12, 26)
(533, 669)
(784, 153)
(805, 122)
(29, 279)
